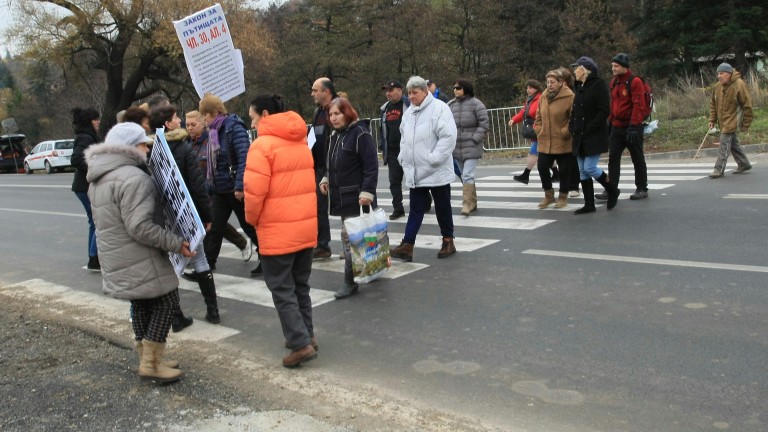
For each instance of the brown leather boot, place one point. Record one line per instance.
(562, 200)
(296, 357)
(549, 198)
(466, 202)
(152, 367)
(312, 341)
(447, 249)
(173, 364)
(404, 252)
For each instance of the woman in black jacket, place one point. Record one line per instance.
(589, 128)
(350, 177)
(86, 122)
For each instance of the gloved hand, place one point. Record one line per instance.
(635, 135)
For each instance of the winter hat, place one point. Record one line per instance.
(129, 134)
(392, 84)
(588, 63)
(725, 67)
(622, 59)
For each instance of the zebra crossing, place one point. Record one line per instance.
(509, 205)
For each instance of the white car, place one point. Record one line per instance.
(50, 156)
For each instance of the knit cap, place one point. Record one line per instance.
(725, 67)
(129, 134)
(622, 59)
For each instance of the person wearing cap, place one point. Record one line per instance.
(132, 245)
(471, 119)
(626, 130)
(589, 127)
(728, 98)
(389, 142)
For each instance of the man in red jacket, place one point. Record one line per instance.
(626, 125)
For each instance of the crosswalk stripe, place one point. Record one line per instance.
(747, 196)
(250, 290)
(100, 307)
(512, 223)
(536, 182)
(504, 205)
(463, 244)
(397, 269)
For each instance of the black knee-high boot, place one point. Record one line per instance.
(180, 322)
(555, 174)
(208, 289)
(589, 197)
(613, 191)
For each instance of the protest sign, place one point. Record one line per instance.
(180, 213)
(214, 64)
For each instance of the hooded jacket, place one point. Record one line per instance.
(234, 143)
(352, 169)
(428, 134)
(84, 137)
(589, 118)
(126, 210)
(727, 100)
(552, 120)
(280, 190)
(471, 119)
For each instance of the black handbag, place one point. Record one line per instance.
(527, 131)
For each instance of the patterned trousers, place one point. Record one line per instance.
(152, 317)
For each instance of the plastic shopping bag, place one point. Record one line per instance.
(369, 244)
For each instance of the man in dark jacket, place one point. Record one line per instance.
(86, 122)
(323, 92)
(389, 142)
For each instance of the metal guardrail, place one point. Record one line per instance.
(500, 136)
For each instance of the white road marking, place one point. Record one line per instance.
(747, 196)
(250, 290)
(398, 269)
(103, 310)
(50, 213)
(36, 186)
(463, 244)
(656, 261)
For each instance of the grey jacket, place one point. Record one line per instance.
(472, 124)
(128, 218)
(428, 136)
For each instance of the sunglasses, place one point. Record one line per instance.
(458, 88)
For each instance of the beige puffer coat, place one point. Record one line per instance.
(725, 104)
(131, 240)
(552, 119)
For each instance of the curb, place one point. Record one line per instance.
(709, 152)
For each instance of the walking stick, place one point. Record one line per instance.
(701, 145)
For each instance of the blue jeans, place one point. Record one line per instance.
(467, 170)
(588, 167)
(419, 199)
(83, 197)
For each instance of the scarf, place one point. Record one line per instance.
(213, 147)
(552, 94)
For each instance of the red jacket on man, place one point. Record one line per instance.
(626, 109)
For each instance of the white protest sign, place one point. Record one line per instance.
(180, 213)
(214, 64)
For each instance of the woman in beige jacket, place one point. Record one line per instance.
(555, 142)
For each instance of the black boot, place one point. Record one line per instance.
(522, 178)
(208, 289)
(349, 288)
(589, 197)
(180, 322)
(613, 191)
(93, 264)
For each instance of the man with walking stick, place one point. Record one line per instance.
(728, 98)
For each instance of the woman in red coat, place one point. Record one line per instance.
(528, 115)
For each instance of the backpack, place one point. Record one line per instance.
(647, 104)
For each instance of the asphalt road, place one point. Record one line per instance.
(650, 317)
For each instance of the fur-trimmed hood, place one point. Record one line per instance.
(105, 158)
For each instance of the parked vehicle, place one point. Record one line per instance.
(51, 156)
(12, 152)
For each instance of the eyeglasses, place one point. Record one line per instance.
(458, 88)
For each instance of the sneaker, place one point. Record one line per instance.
(741, 169)
(397, 214)
(321, 253)
(716, 174)
(638, 195)
(602, 196)
(247, 251)
(574, 194)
